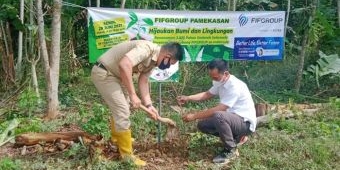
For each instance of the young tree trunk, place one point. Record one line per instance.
(234, 5)
(19, 61)
(229, 5)
(287, 18)
(304, 50)
(52, 61)
(35, 80)
(339, 13)
(3, 57)
(30, 49)
(301, 62)
(7, 58)
(122, 5)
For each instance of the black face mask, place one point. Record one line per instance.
(163, 66)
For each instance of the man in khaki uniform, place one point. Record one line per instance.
(112, 76)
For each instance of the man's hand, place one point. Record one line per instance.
(135, 101)
(189, 117)
(182, 99)
(155, 114)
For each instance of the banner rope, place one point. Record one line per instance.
(72, 5)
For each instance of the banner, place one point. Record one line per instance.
(205, 35)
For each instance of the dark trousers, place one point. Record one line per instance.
(229, 127)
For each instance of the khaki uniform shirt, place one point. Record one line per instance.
(143, 55)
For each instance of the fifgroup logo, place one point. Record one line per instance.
(242, 19)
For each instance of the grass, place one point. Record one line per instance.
(295, 144)
(300, 143)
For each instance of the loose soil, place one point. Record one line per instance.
(169, 154)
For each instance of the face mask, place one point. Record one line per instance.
(219, 83)
(163, 66)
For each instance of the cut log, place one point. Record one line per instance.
(262, 120)
(28, 139)
(261, 109)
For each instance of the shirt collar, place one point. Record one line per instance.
(156, 54)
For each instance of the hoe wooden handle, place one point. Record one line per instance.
(161, 119)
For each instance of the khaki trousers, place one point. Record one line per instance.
(115, 96)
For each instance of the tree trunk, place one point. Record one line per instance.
(54, 61)
(10, 64)
(301, 62)
(122, 5)
(339, 13)
(19, 61)
(234, 5)
(2, 60)
(31, 57)
(229, 5)
(7, 57)
(51, 63)
(35, 79)
(287, 18)
(304, 50)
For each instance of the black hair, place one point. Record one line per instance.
(175, 48)
(220, 64)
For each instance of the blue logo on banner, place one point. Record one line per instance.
(258, 48)
(242, 20)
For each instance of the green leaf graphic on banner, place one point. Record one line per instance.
(216, 51)
(133, 18)
(193, 51)
(143, 28)
(148, 21)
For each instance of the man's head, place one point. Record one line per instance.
(218, 70)
(170, 53)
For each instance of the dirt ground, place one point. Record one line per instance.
(172, 154)
(165, 155)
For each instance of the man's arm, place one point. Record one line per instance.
(125, 69)
(143, 85)
(205, 113)
(196, 97)
(200, 96)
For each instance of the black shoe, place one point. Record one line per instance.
(226, 156)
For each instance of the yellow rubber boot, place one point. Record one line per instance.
(125, 147)
(113, 131)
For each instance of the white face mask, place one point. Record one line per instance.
(218, 83)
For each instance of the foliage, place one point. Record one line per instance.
(7, 134)
(142, 124)
(9, 164)
(78, 150)
(28, 102)
(30, 125)
(98, 121)
(10, 12)
(301, 140)
(335, 103)
(108, 165)
(326, 65)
